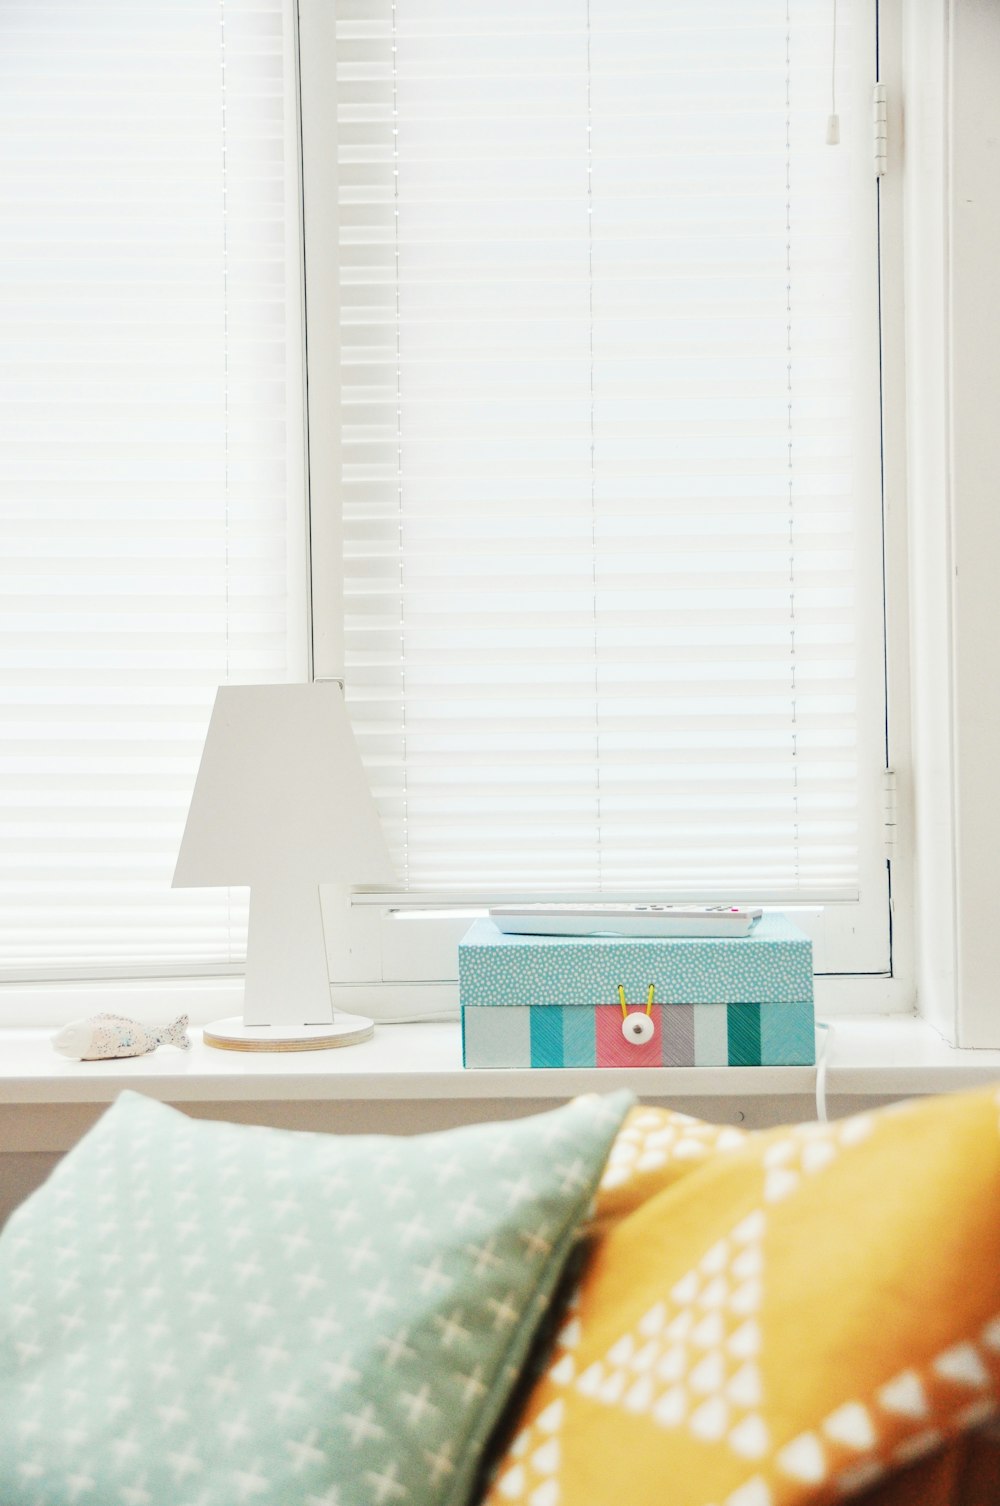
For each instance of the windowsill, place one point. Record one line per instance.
(878, 1057)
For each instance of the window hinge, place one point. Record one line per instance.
(880, 120)
(889, 811)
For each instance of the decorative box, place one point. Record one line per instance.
(554, 1001)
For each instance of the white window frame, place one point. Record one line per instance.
(951, 185)
(389, 954)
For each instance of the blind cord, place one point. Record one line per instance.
(833, 119)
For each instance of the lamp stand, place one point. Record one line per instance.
(286, 999)
(234, 1035)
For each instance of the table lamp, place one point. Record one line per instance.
(281, 803)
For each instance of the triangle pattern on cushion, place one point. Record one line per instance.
(805, 1149)
(872, 1337)
(691, 1361)
(531, 1476)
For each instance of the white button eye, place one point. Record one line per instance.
(637, 1028)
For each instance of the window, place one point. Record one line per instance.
(608, 456)
(152, 457)
(594, 453)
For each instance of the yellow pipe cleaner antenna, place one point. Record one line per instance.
(624, 1004)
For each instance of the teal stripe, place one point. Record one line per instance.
(787, 1035)
(579, 1037)
(744, 1035)
(546, 1035)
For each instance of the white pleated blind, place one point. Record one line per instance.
(150, 466)
(610, 435)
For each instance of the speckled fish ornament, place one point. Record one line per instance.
(103, 1036)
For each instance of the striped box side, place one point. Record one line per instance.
(613, 1050)
(579, 1037)
(788, 1035)
(744, 1035)
(547, 1037)
(497, 1037)
(678, 1035)
(711, 1035)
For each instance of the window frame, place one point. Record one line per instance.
(951, 188)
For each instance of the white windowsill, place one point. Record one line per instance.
(877, 1056)
(410, 1078)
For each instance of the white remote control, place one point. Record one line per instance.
(625, 920)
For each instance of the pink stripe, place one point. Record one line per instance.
(613, 1050)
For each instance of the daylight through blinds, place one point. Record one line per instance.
(150, 452)
(610, 433)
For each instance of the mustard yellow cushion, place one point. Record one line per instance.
(653, 1149)
(791, 1321)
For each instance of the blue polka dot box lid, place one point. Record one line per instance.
(773, 965)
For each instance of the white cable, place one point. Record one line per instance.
(822, 1061)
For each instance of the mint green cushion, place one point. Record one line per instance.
(203, 1314)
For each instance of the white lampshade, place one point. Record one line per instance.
(281, 803)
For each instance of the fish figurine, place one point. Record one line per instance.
(103, 1036)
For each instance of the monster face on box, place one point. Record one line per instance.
(598, 1001)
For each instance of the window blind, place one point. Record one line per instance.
(609, 384)
(150, 462)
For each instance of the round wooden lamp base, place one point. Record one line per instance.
(344, 1030)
